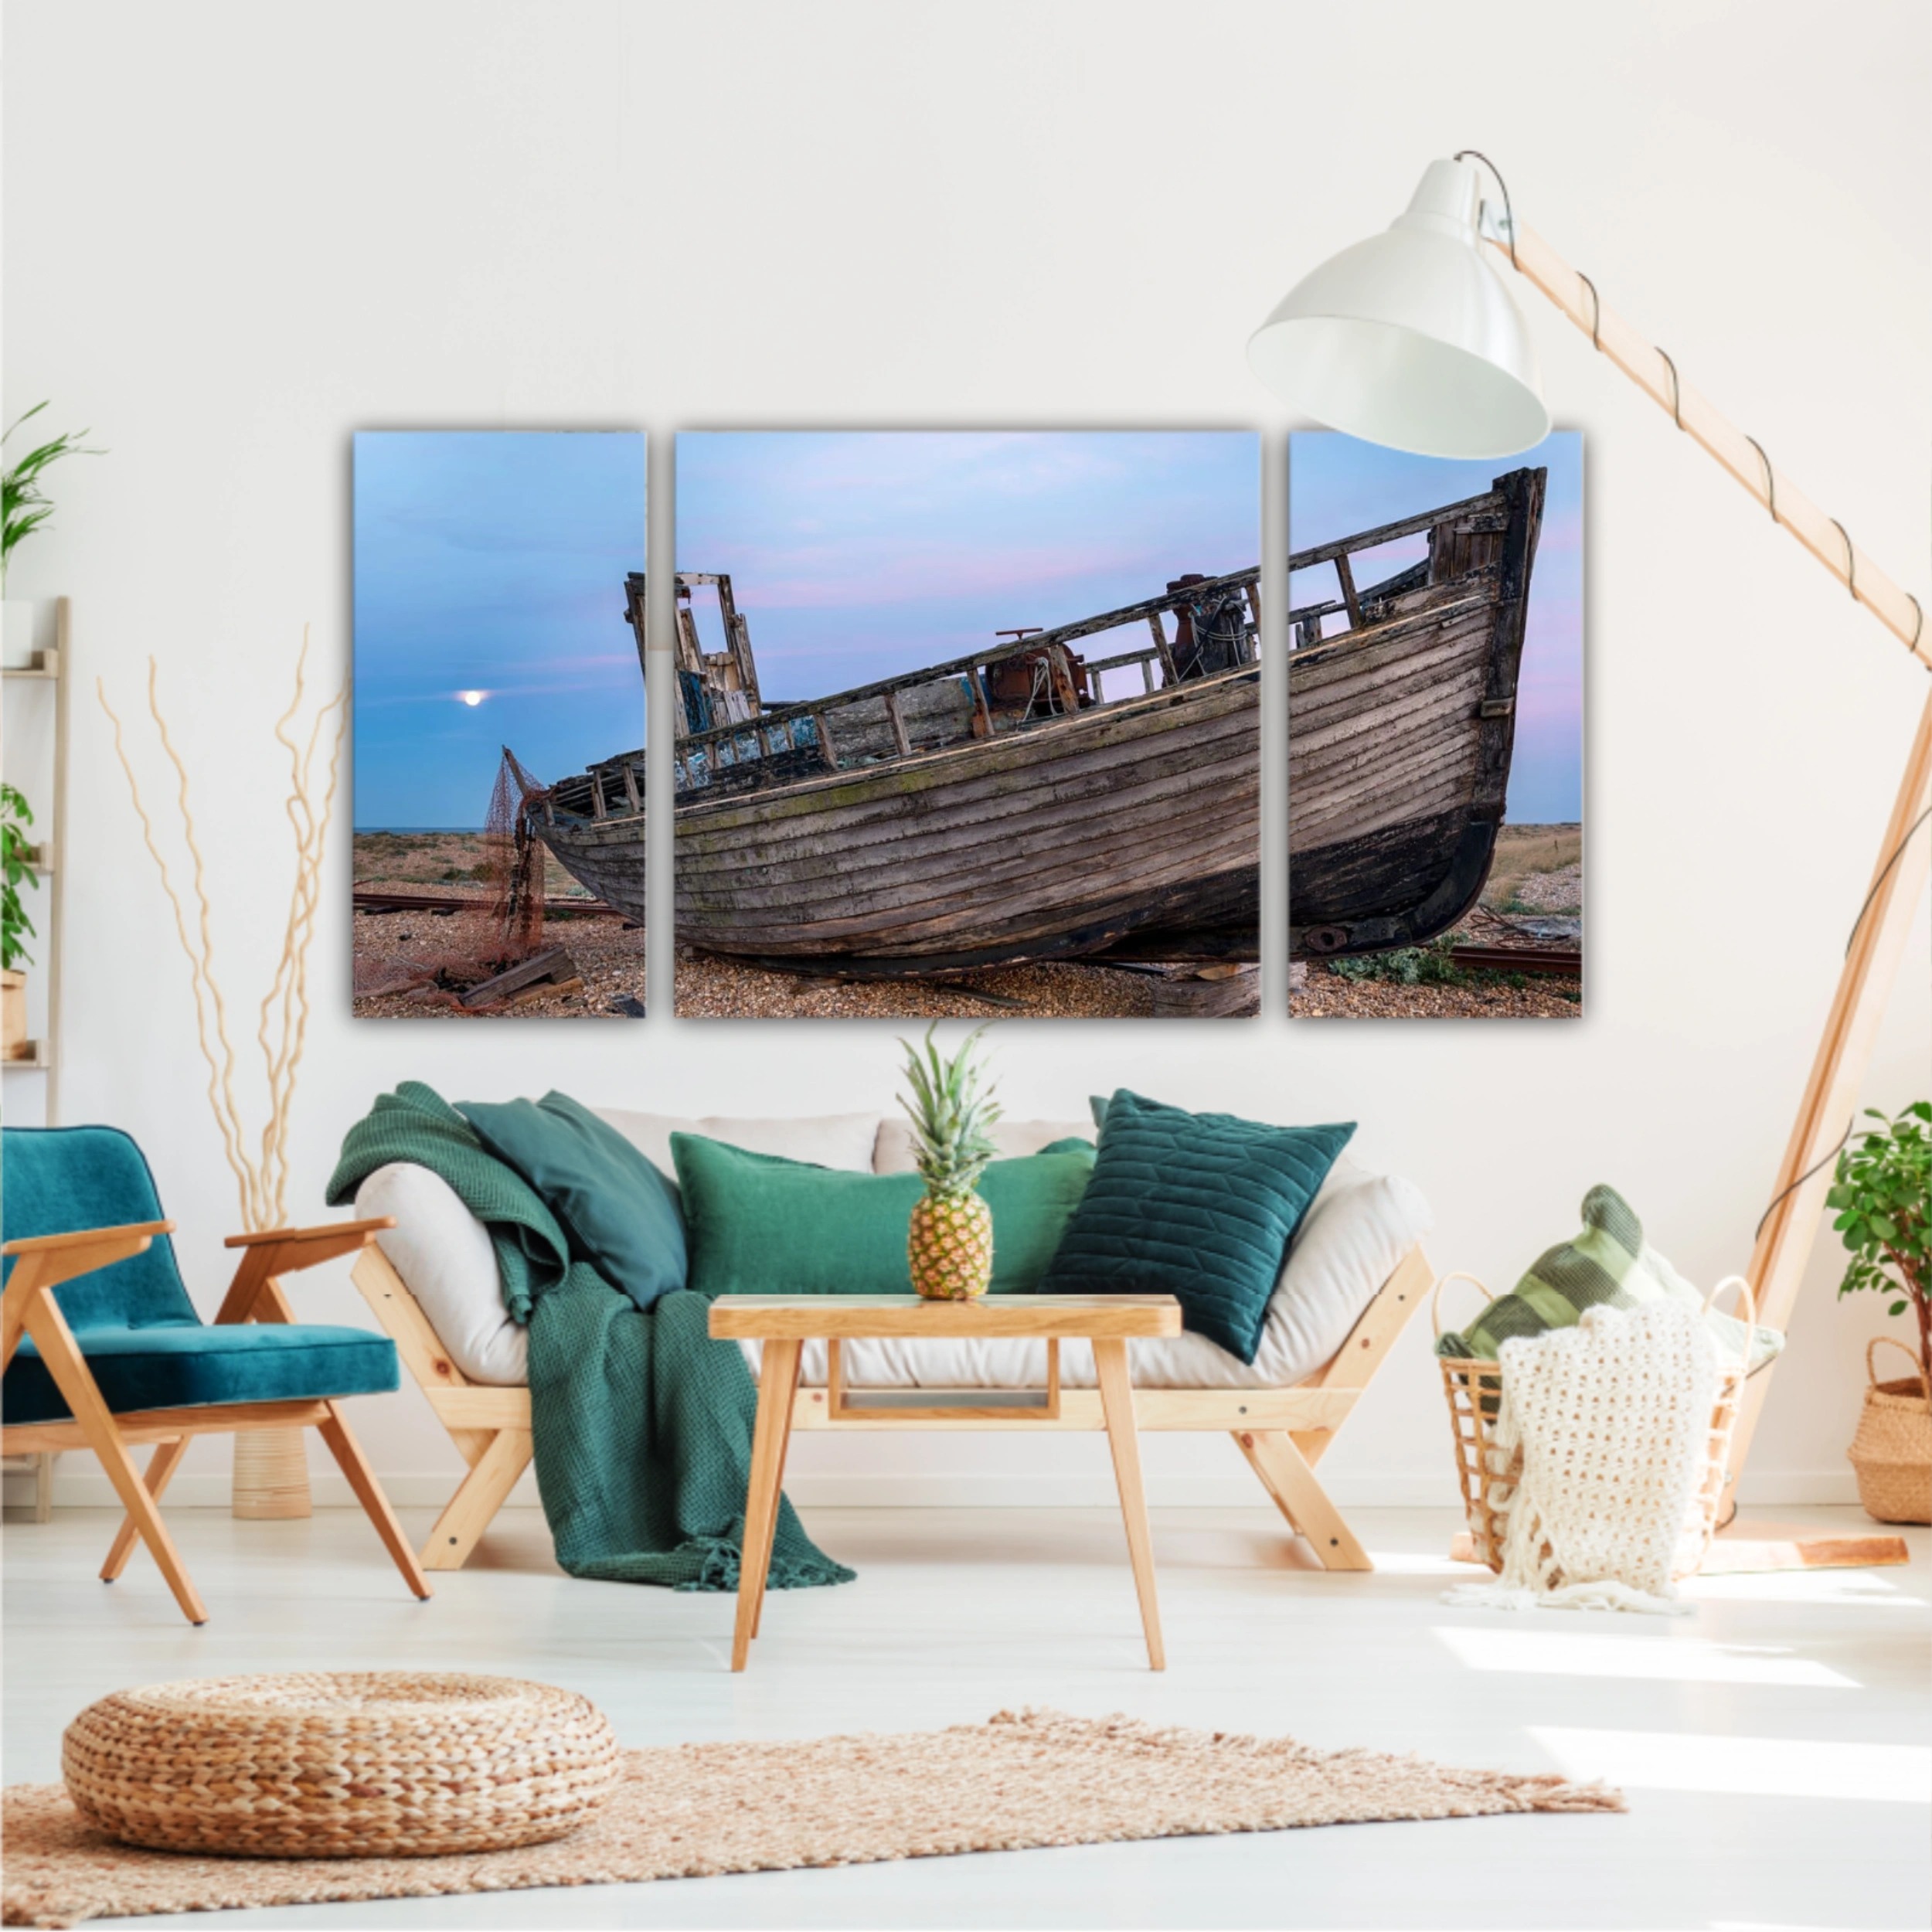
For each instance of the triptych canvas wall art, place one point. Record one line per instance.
(966, 724)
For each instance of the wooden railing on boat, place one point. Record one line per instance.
(1489, 512)
(741, 746)
(793, 735)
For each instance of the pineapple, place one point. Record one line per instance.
(949, 1246)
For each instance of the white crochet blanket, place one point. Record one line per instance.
(1613, 1419)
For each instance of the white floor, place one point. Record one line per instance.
(1773, 1746)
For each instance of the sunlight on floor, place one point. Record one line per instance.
(1757, 1766)
(1664, 1656)
(1416, 1563)
(1802, 1587)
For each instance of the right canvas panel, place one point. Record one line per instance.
(1435, 731)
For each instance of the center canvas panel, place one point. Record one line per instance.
(967, 723)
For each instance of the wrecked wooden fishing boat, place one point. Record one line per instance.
(1015, 804)
(1018, 804)
(1401, 725)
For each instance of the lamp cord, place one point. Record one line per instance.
(1770, 498)
(1830, 1155)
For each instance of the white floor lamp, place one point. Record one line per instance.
(1412, 339)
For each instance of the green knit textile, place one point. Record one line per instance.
(642, 1424)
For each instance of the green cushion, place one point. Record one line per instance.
(759, 1225)
(59, 1180)
(185, 1366)
(618, 1213)
(1201, 1206)
(1607, 1264)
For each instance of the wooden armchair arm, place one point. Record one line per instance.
(141, 1231)
(43, 1261)
(278, 1251)
(323, 1233)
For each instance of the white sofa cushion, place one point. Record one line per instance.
(1014, 1139)
(829, 1140)
(444, 1255)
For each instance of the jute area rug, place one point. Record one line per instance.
(1023, 1779)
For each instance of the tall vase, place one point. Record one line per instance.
(271, 1476)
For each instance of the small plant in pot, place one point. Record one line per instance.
(1882, 1191)
(25, 505)
(16, 870)
(949, 1243)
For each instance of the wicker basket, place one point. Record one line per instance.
(1489, 1479)
(1892, 1450)
(368, 1764)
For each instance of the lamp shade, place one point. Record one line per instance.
(1411, 338)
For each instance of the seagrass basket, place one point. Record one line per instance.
(1488, 1476)
(1892, 1451)
(362, 1764)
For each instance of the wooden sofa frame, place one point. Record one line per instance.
(1284, 1432)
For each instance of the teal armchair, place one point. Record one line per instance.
(103, 1350)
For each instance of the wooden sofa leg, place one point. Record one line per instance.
(349, 1458)
(470, 1512)
(1285, 1475)
(161, 1472)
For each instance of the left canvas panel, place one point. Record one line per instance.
(499, 724)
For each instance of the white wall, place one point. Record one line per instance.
(236, 233)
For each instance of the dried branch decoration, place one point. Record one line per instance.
(261, 1168)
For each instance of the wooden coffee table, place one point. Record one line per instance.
(785, 1323)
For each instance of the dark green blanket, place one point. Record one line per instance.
(642, 1424)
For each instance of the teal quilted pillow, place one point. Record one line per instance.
(1201, 1206)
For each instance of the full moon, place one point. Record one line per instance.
(472, 699)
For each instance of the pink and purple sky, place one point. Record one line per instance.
(1337, 485)
(489, 608)
(857, 554)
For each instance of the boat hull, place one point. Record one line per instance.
(1400, 733)
(1053, 842)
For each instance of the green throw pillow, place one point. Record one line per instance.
(1201, 1206)
(1607, 1264)
(618, 1211)
(759, 1225)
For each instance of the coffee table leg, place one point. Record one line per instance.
(790, 1393)
(1117, 1402)
(777, 1375)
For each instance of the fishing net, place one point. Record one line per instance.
(514, 858)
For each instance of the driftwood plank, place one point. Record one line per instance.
(554, 963)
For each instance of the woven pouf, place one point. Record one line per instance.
(350, 1764)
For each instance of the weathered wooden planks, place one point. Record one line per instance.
(1400, 731)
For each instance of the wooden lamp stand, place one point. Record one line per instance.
(1783, 1243)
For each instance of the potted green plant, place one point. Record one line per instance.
(17, 858)
(1882, 1191)
(25, 507)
